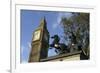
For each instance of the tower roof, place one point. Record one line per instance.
(43, 23)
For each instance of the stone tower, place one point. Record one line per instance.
(40, 43)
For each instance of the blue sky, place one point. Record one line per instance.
(30, 20)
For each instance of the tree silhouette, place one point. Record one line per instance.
(76, 29)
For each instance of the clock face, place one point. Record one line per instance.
(36, 35)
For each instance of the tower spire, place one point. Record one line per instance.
(43, 23)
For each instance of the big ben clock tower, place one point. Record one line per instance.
(40, 43)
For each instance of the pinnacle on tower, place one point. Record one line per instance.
(43, 22)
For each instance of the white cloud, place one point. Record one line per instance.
(56, 23)
(25, 53)
(24, 61)
(22, 49)
(29, 45)
(60, 15)
(51, 52)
